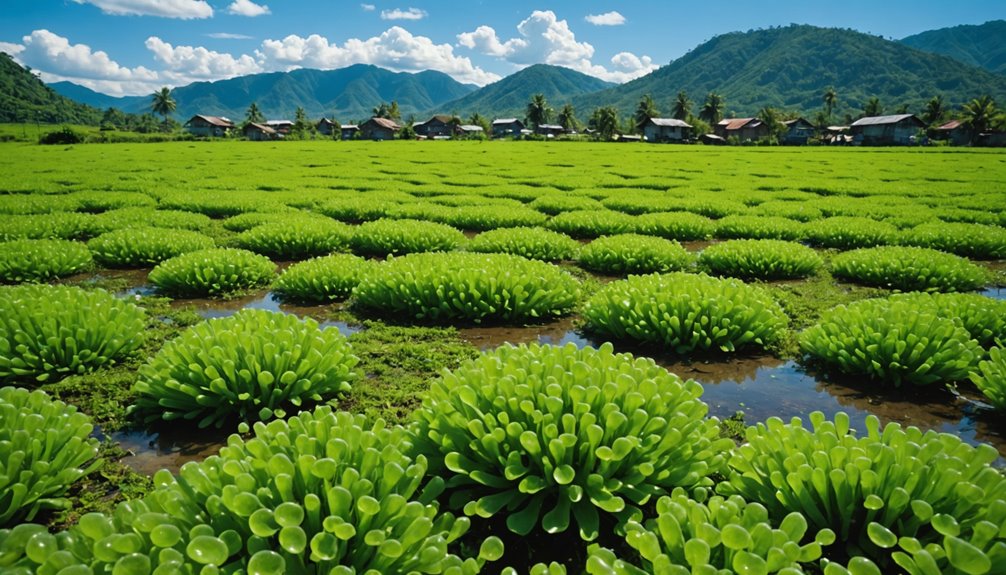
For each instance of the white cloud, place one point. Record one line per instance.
(184, 9)
(228, 36)
(396, 49)
(368, 7)
(11, 48)
(546, 39)
(247, 8)
(607, 19)
(399, 14)
(187, 64)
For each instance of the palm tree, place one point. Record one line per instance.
(477, 119)
(254, 115)
(162, 103)
(979, 114)
(873, 108)
(772, 119)
(934, 110)
(538, 112)
(382, 111)
(645, 110)
(682, 106)
(567, 117)
(830, 99)
(712, 109)
(605, 122)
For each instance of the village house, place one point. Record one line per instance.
(281, 126)
(209, 126)
(550, 130)
(956, 132)
(899, 129)
(379, 129)
(326, 127)
(350, 131)
(507, 127)
(260, 132)
(439, 126)
(666, 130)
(798, 132)
(470, 131)
(744, 129)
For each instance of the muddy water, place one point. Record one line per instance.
(150, 451)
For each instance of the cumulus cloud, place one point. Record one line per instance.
(183, 9)
(612, 18)
(543, 38)
(11, 48)
(395, 49)
(247, 8)
(399, 14)
(187, 64)
(228, 36)
(368, 7)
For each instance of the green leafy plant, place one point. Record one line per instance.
(633, 253)
(968, 240)
(759, 227)
(212, 272)
(909, 269)
(990, 377)
(531, 243)
(58, 225)
(256, 364)
(322, 492)
(297, 238)
(149, 217)
(983, 317)
(322, 280)
(873, 490)
(760, 259)
(847, 232)
(556, 436)
(892, 341)
(356, 209)
(686, 312)
(96, 202)
(383, 237)
(592, 223)
(553, 204)
(482, 217)
(45, 446)
(137, 247)
(248, 220)
(42, 260)
(469, 286)
(723, 534)
(681, 226)
(52, 331)
(801, 211)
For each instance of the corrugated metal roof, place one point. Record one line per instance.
(471, 128)
(386, 123)
(951, 125)
(262, 127)
(738, 123)
(504, 121)
(215, 120)
(551, 127)
(670, 122)
(878, 120)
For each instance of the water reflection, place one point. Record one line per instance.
(169, 448)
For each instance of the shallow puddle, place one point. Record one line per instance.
(150, 451)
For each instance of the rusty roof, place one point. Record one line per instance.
(213, 120)
(738, 123)
(951, 125)
(261, 127)
(385, 123)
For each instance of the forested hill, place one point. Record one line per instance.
(983, 46)
(509, 96)
(24, 98)
(791, 67)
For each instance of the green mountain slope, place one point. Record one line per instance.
(348, 94)
(983, 46)
(24, 98)
(509, 96)
(791, 67)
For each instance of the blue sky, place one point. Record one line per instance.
(133, 47)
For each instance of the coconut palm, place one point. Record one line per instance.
(605, 122)
(538, 112)
(162, 103)
(830, 99)
(980, 113)
(567, 117)
(712, 109)
(682, 106)
(254, 115)
(934, 110)
(645, 110)
(873, 108)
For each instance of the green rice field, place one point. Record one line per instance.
(501, 357)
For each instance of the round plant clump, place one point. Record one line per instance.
(531, 243)
(909, 269)
(893, 341)
(322, 280)
(383, 237)
(759, 227)
(297, 239)
(760, 259)
(990, 377)
(685, 312)
(57, 225)
(53, 331)
(634, 254)
(212, 272)
(149, 217)
(42, 260)
(137, 247)
(482, 217)
(554, 204)
(592, 223)
(681, 226)
(977, 241)
(557, 437)
(467, 286)
(847, 232)
(256, 364)
(45, 446)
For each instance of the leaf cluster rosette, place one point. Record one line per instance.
(256, 364)
(634, 254)
(212, 272)
(248, 220)
(554, 204)
(909, 269)
(983, 317)
(990, 378)
(888, 486)
(686, 312)
(385, 236)
(48, 331)
(96, 202)
(297, 238)
(42, 260)
(149, 217)
(801, 211)
(322, 492)
(592, 223)
(57, 225)
(356, 209)
(978, 241)
(893, 341)
(760, 259)
(322, 280)
(490, 217)
(45, 446)
(560, 436)
(681, 226)
(531, 243)
(718, 535)
(138, 247)
(759, 228)
(468, 286)
(850, 232)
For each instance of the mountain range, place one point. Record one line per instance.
(788, 68)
